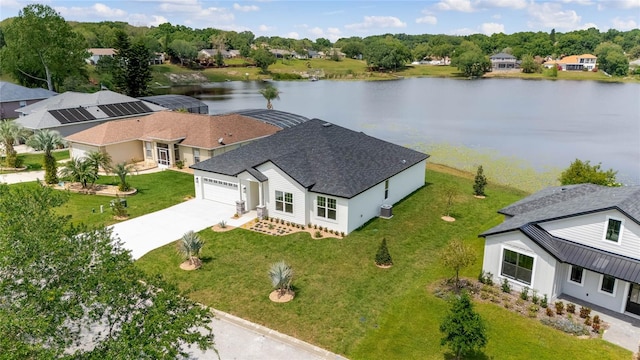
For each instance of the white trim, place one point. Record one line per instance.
(615, 286)
(519, 251)
(581, 283)
(623, 308)
(606, 226)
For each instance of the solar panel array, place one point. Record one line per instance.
(72, 115)
(125, 109)
(280, 119)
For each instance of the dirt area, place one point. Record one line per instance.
(277, 227)
(96, 189)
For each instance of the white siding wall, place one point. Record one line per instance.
(544, 264)
(366, 205)
(279, 181)
(589, 290)
(590, 230)
(342, 213)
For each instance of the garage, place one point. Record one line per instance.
(225, 192)
(77, 151)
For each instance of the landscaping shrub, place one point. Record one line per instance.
(480, 182)
(566, 325)
(584, 312)
(549, 312)
(533, 310)
(571, 308)
(506, 287)
(544, 301)
(587, 321)
(486, 278)
(382, 256)
(317, 234)
(596, 324)
(534, 297)
(524, 294)
(559, 307)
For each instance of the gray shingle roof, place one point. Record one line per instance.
(322, 157)
(502, 56)
(603, 262)
(278, 118)
(566, 201)
(11, 92)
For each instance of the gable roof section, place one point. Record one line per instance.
(567, 201)
(200, 131)
(11, 92)
(600, 261)
(502, 56)
(323, 157)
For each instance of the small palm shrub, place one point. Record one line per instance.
(189, 247)
(524, 294)
(281, 276)
(382, 256)
(584, 312)
(571, 308)
(506, 287)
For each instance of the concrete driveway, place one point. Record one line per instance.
(151, 231)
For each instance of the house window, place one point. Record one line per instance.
(147, 147)
(326, 207)
(576, 274)
(176, 152)
(196, 155)
(23, 103)
(607, 284)
(517, 266)
(386, 189)
(613, 230)
(284, 201)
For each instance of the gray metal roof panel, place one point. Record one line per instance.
(322, 157)
(281, 119)
(11, 92)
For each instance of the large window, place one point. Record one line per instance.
(147, 147)
(613, 230)
(284, 201)
(576, 274)
(326, 207)
(517, 266)
(607, 284)
(196, 155)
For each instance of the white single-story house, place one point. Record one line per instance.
(166, 137)
(582, 241)
(315, 172)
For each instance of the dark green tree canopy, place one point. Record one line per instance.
(41, 48)
(263, 59)
(582, 172)
(464, 331)
(611, 59)
(133, 70)
(387, 53)
(63, 285)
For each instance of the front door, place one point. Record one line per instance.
(163, 155)
(633, 299)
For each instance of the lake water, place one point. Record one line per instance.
(545, 123)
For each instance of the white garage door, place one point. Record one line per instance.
(79, 151)
(221, 191)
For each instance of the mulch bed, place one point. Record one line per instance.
(278, 229)
(95, 189)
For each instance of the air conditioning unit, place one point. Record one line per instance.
(386, 211)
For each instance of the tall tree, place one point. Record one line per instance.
(529, 65)
(183, 50)
(387, 53)
(64, 285)
(133, 69)
(10, 132)
(611, 59)
(456, 256)
(270, 92)
(263, 59)
(42, 49)
(582, 172)
(463, 329)
(47, 141)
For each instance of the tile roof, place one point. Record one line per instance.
(603, 262)
(323, 157)
(567, 201)
(102, 51)
(200, 131)
(11, 92)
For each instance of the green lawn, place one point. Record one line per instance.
(156, 191)
(34, 161)
(347, 305)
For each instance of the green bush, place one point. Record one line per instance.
(584, 312)
(506, 287)
(559, 307)
(286, 76)
(544, 301)
(382, 256)
(571, 308)
(524, 294)
(566, 325)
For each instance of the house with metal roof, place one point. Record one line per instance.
(582, 241)
(14, 97)
(165, 138)
(314, 172)
(504, 61)
(71, 112)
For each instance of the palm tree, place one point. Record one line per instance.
(47, 141)
(121, 170)
(99, 159)
(270, 92)
(80, 170)
(281, 275)
(10, 132)
(189, 247)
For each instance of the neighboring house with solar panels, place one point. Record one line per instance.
(165, 137)
(178, 102)
(313, 172)
(576, 241)
(14, 97)
(71, 112)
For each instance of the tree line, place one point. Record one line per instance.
(38, 56)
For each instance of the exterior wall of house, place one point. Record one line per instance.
(366, 205)
(590, 230)
(279, 181)
(131, 151)
(8, 109)
(544, 265)
(77, 151)
(589, 290)
(342, 213)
